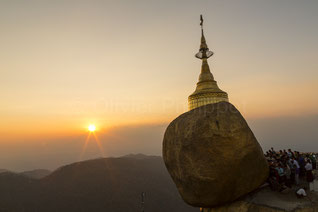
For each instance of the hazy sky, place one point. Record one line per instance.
(128, 66)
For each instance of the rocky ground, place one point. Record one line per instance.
(285, 200)
(266, 200)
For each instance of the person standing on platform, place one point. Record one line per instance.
(309, 175)
(297, 170)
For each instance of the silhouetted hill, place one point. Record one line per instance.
(106, 184)
(37, 173)
(4, 170)
(137, 156)
(17, 192)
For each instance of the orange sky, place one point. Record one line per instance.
(67, 64)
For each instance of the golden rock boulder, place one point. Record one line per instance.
(213, 156)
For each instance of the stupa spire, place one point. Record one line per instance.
(207, 90)
(204, 51)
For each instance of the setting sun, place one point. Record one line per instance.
(91, 128)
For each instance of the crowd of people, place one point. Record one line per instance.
(288, 167)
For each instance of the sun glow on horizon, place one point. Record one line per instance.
(91, 128)
(92, 135)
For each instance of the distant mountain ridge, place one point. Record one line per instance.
(37, 173)
(4, 170)
(105, 184)
(34, 174)
(138, 156)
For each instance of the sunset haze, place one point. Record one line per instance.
(128, 67)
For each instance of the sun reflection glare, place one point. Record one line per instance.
(91, 128)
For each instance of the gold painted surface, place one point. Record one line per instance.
(207, 90)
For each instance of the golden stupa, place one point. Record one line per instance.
(207, 90)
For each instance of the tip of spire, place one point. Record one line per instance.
(201, 21)
(204, 50)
